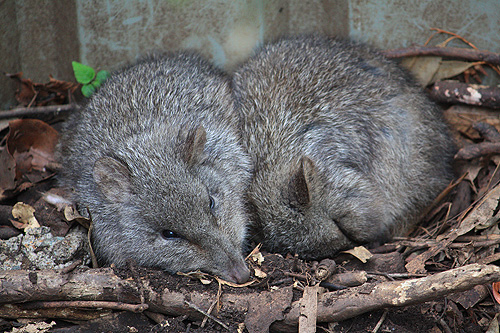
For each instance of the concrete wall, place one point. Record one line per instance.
(42, 37)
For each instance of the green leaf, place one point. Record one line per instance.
(88, 90)
(84, 74)
(96, 83)
(102, 76)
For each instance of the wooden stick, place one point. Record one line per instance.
(36, 111)
(449, 52)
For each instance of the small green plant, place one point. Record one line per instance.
(88, 78)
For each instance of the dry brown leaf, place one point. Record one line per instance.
(482, 214)
(493, 327)
(360, 252)
(461, 118)
(450, 68)
(25, 215)
(259, 273)
(70, 214)
(32, 144)
(40, 94)
(496, 291)
(423, 68)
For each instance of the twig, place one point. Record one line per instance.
(477, 150)
(39, 110)
(297, 276)
(206, 314)
(86, 304)
(441, 31)
(210, 309)
(450, 52)
(445, 326)
(71, 267)
(488, 132)
(393, 276)
(471, 94)
(380, 322)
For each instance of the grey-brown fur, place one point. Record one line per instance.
(146, 154)
(346, 149)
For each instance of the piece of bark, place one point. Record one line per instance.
(349, 279)
(308, 310)
(472, 94)
(266, 308)
(448, 52)
(19, 286)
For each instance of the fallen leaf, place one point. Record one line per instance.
(259, 273)
(423, 68)
(257, 258)
(40, 94)
(39, 327)
(360, 252)
(231, 284)
(25, 214)
(483, 212)
(71, 215)
(493, 327)
(32, 144)
(496, 291)
(450, 68)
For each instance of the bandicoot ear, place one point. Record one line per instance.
(113, 179)
(194, 145)
(301, 183)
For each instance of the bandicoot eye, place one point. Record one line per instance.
(168, 234)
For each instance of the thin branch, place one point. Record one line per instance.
(449, 52)
(471, 94)
(206, 314)
(39, 110)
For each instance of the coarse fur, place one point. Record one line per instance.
(346, 148)
(156, 159)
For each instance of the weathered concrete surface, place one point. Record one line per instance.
(42, 37)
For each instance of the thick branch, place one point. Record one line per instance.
(477, 150)
(472, 94)
(103, 285)
(345, 304)
(449, 52)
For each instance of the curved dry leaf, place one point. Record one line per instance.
(25, 214)
(231, 284)
(259, 273)
(450, 68)
(483, 211)
(361, 253)
(495, 286)
(423, 68)
(32, 144)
